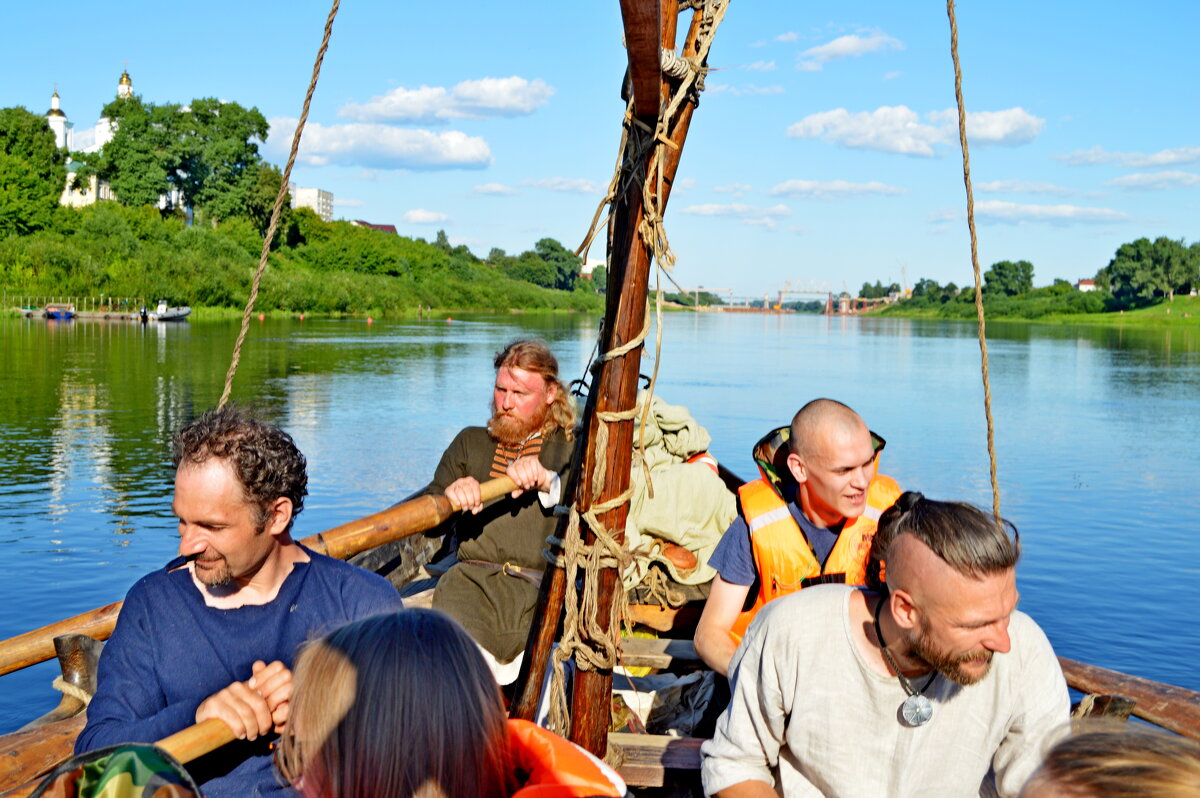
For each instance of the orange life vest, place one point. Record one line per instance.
(784, 558)
(558, 768)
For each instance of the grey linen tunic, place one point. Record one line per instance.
(495, 608)
(811, 717)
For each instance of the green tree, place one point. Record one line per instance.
(1009, 278)
(443, 241)
(926, 288)
(565, 263)
(218, 156)
(260, 199)
(32, 172)
(600, 278)
(1142, 271)
(27, 136)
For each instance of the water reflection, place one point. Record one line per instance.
(1095, 464)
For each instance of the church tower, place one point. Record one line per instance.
(58, 123)
(125, 86)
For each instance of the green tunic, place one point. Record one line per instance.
(495, 608)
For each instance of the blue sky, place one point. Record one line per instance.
(822, 151)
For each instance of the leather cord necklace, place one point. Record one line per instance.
(916, 709)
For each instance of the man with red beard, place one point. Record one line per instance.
(936, 685)
(492, 588)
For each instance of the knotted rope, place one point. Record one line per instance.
(983, 352)
(278, 207)
(641, 156)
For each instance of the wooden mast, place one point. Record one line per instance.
(649, 26)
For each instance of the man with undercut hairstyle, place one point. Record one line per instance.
(214, 633)
(935, 685)
(808, 520)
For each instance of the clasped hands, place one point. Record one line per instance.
(528, 472)
(253, 707)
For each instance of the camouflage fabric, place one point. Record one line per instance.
(121, 771)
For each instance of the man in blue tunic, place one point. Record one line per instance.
(213, 634)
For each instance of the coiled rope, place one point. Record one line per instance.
(278, 208)
(983, 352)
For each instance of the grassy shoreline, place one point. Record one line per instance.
(1184, 311)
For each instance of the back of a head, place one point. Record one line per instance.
(534, 356)
(264, 457)
(1119, 762)
(964, 537)
(813, 422)
(400, 705)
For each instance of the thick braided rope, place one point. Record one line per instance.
(983, 352)
(75, 691)
(278, 208)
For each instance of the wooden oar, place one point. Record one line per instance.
(406, 518)
(45, 749)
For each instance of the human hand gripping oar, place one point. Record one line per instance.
(407, 518)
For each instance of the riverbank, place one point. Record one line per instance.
(1184, 311)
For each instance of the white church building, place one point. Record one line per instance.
(89, 139)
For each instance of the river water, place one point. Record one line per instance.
(1094, 430)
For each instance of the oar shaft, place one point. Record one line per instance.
(408, 518)
(196, 741)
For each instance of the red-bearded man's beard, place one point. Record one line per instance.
(513, 430)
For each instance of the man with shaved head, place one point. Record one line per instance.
(808, 520)
(933, 685)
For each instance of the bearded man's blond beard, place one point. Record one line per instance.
(513, 431)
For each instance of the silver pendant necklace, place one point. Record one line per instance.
(916, 709)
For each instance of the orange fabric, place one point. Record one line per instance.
(706, 459)
(558, 768)
(784, 558)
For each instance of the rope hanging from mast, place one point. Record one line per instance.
(278, 208)
(983, 352)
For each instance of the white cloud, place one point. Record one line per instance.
(790, 36)
(737, 189)
(471, 99)
(746, 214)
(814, 58)
(748, 89)
(892, 75)
(899, 129)
(1156, 181)
(737, 210)
(761, 66)
(684, 185)
(495, 190)
(342, 202)
(568, 185)
(380, 146)
(422, 216)
(1009, 127)
(1030, 187)
(1134, 160)
(998, 211)
(832, 189)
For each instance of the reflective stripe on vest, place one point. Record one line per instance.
(783, 558)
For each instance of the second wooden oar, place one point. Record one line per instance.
(407, 518)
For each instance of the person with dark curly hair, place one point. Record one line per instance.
(213, 633)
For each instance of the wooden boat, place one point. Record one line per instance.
(60, 311)
(165, 313)
(650, 157)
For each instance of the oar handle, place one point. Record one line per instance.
(407, 518)
(492, 489)
(198, 740)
